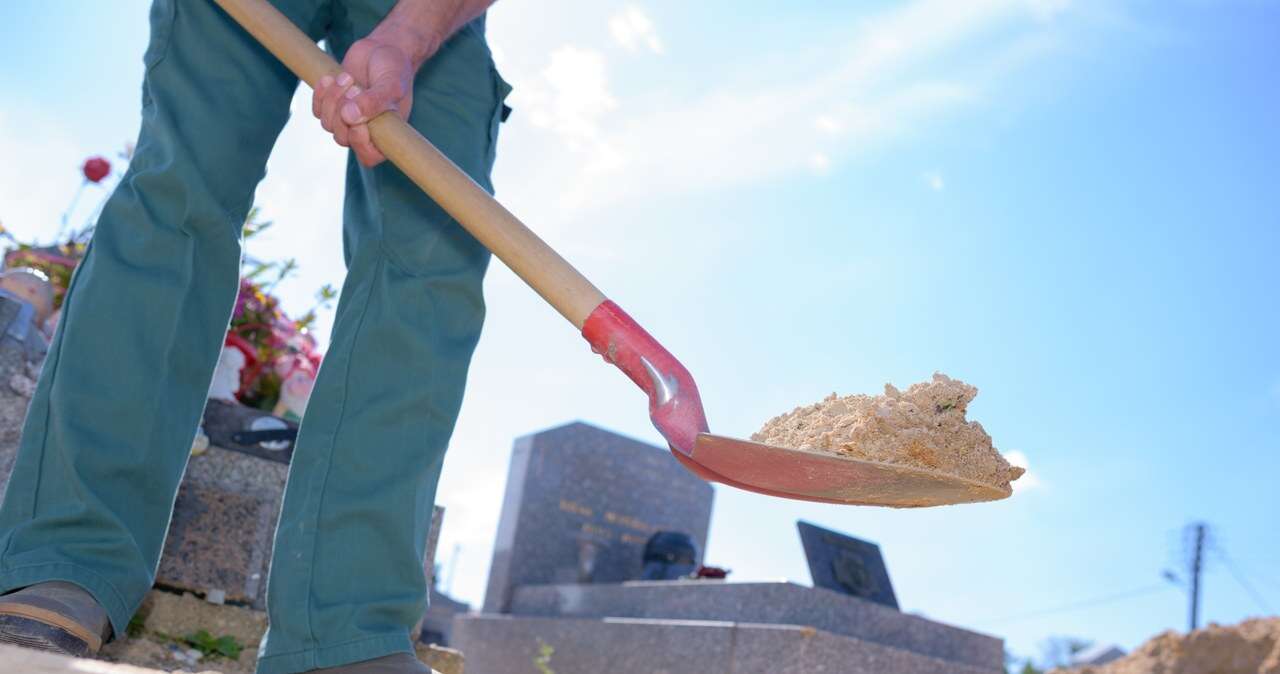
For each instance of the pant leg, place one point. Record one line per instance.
(109, 429)
(347, 579)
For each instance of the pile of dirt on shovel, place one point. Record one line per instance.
(922, 427)
(1252, 647)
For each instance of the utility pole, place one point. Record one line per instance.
(1196, 554)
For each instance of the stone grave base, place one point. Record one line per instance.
(501, 644)
(770, 603)
(693, 627)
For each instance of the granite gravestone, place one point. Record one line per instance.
(846, 564)
(580, 504)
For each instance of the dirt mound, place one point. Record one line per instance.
(922, 427)
(1252, 647)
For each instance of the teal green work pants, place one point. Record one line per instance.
(109, 430)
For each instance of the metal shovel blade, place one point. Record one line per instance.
(829, 478)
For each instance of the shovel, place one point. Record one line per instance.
(674, 406)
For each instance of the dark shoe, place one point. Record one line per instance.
(55, 616)
(397, 663)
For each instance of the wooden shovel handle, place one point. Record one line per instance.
(487, 220)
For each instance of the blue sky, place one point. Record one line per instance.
(1071, 204)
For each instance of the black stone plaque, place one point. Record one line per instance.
(846, 564)
(580, 505)
(248, 430)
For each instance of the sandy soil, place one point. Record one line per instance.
(1251, 647)
(922, 427)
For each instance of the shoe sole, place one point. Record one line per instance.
(31, 632)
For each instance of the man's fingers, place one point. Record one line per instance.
(318, 94)
(382, 96)
(331, 112)
(366, 153)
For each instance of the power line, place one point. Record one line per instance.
(1097, 601)
(1235, 573)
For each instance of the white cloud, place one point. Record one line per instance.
(633, 29)
(827, 124)
(934, 180)
(1029, 480)
(886, 78)
(820, 163)
(1045, 10)
(570, 97)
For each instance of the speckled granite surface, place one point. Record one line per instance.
(218, 540)
(223, 525)
(767, 603)
(500, 644)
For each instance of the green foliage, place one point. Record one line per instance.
(258, 269)
(542, 661)
(253, 226)
(286, 270)
(324, 300)
(136, 626)
(209, 646)
(223, 646)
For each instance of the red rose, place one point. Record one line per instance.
(96, 168)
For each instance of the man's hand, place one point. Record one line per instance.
(377, 76)
(378, 70)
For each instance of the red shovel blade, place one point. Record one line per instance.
(828, 478)
(676, 411)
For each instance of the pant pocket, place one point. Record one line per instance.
(162, 17)
(501, 111)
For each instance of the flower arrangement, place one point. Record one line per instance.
(280, 353)
(280, 356)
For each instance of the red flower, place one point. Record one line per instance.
(711, 572)
(96, 168)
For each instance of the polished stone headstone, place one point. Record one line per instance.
(580, 504)
(846, 564)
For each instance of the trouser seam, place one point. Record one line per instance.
(47, 402)
(333, 441)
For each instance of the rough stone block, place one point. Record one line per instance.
(218, 540)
